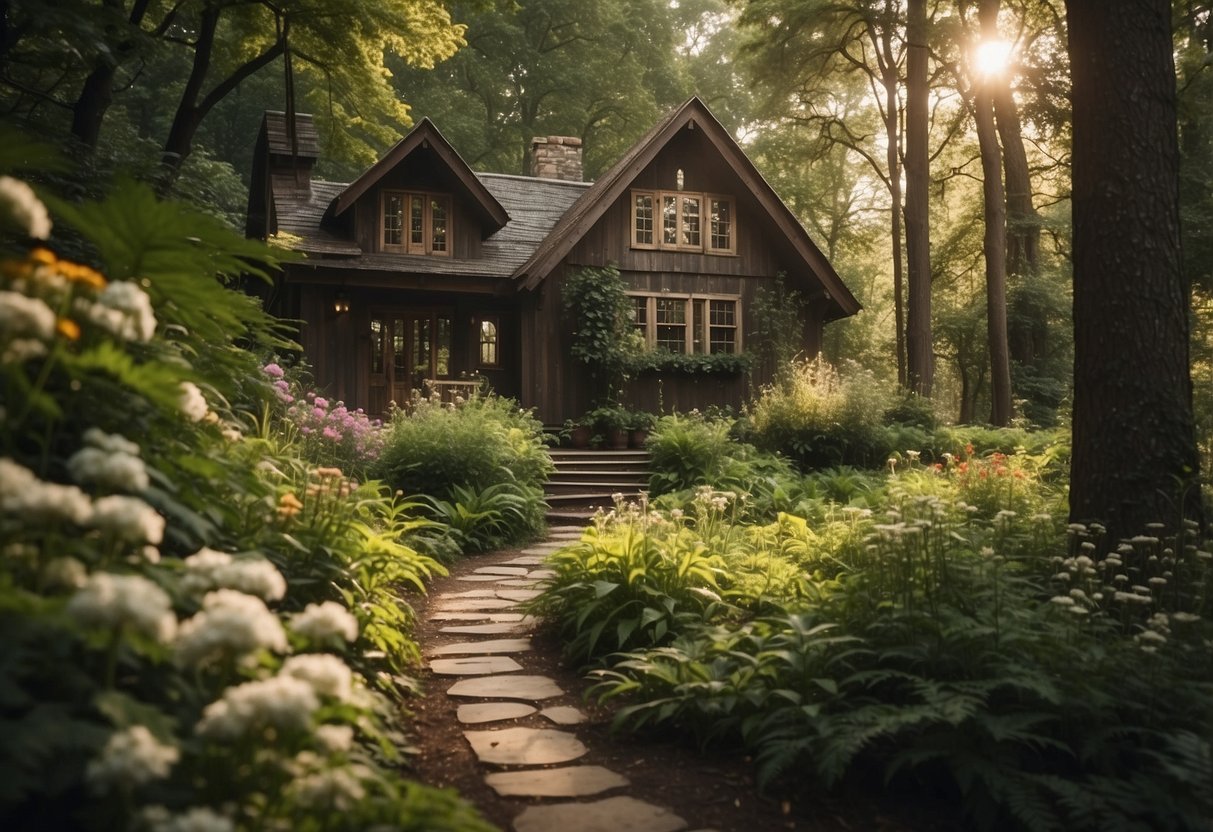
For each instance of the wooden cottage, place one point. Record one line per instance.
(423, 271)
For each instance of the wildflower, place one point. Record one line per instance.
(191, 402)
(68, 329)
(1077, 594)
(913, 455)
(282, 702)
(1062, 600)
(334, 788)
(208, 569)
(288, 506)
(327, 674)
(20, 204)
(1144, 540)
(231, 434)
(129, 519)
(1201, 555)
(130, 758)
(988, 552)
(123, 310)
(82, 274)
(1151, 636)
(335, 739)
(1077, 610)
(117, 470)
(324, 622)
(1184, 617)
(23, 494)
(1157, 583)
(195, 819)
(25, 316)
(273, 370)
(230, 624)
(110, 602)
(65, 572)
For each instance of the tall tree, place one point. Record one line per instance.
(1134, 457)
(994, 198)
(920, 357)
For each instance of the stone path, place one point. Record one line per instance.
(482, 662)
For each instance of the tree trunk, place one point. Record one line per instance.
(994, 245)
(97, 92)
(920, 359)
(893, 138)
(1134, 456)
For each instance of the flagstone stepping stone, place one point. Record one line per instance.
(541, 573)
(518, 582)
(543, 550)
(533, 560)
(519, 594)
(525, 746)
(496, 629)
(474, 666)
(465, 615)
(570, 781)
(508, 571)
(614, 814)
(492, 711)
(484, 648)
(564, 715)
(471, 604)
(513, 686)
(479, 578)
(483, 592)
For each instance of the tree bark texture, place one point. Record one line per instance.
(994, 244)
(920, 358)
(1134, 455)
(892, 117)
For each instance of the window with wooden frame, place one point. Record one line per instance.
(415, 223)
(689, 324)
(684, 221)
(489, 334)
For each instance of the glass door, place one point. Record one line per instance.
(407, 350)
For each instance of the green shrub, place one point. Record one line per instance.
(819, 417)
(687, 451)
(478, 520)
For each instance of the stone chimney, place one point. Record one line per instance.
(556, 157)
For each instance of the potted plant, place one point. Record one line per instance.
(612, 421)
(641, 423)
(577, 433)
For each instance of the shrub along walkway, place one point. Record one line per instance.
(508, 726)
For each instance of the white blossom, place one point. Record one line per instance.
(21, 204)
(208, 569)
(129, 519)
(23, 494)
(191, 402)
(195, 819)
(130, 758)
(327, 674)
(20, 350)
(325, 621)
(65, 572)
(334, 788)
(123, 310)
(108, 601)
(21, 315)
(335, 739)
(119, 471)
(281, 702)
(231, 623)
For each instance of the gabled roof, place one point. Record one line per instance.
(579, 219)
(426, 135)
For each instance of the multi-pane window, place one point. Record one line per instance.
(704, 325)
(682, 220)
(416, 223)
(489, 343)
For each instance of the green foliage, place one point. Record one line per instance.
(664, 361)
(687, 451)
(818, 416)
(479, 520)
(433, 447)
(596, 302)
(141, 686)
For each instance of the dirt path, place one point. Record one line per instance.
(562, 741)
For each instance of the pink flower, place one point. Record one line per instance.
(272, 370)
(329, 433)
(321, 402)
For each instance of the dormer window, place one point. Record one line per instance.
(416, 223)
(684, 221)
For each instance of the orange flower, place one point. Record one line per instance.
(288, 506)
(43, 256)
(68, 328)
(79, 273)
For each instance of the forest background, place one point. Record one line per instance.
(936, 179)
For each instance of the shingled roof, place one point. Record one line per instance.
(279, 140)
(534, 206)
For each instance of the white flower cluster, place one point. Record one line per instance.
(191, 402)
(195, 819)
(327, 674)
(334, 788)
(19, 202)
(128, 519)
(22, 493)
(108, 460)
(208, 569)
(26, 324)
(231, 623)
(335, 739)
(282, 702)
(130, 758)
(108, 601)
(123, 310)
(325, 622)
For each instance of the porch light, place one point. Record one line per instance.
(341, 304)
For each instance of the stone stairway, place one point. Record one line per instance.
(483, 644)
(586, 480)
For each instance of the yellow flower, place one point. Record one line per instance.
(288, 506)
(325, 473)
(68, 328)
(43, 256)
(79, 273)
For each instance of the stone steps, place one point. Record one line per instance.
(483, 655)
(586, 480)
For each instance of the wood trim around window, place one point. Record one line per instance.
(657, 200)
(479, 323)
(704, 328)
(407, 244)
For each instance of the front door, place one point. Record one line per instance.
(407, 348)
